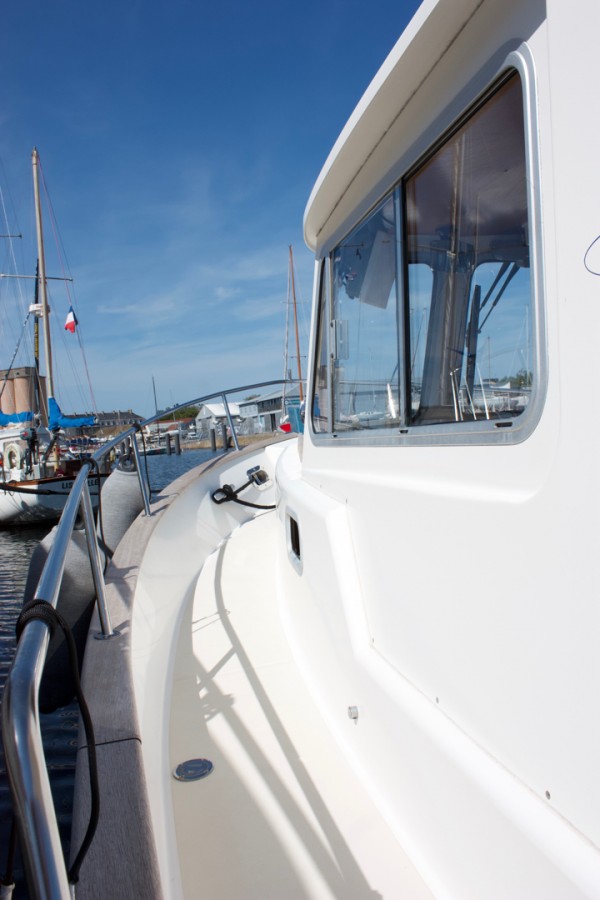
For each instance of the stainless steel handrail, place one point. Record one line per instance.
(222, 394)
(21, 735)
(113, 443)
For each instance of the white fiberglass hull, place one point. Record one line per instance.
(414, 629)
(333, 775)
(212, 673)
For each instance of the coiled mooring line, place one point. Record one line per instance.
(229, 494)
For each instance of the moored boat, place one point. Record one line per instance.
(34, 480)
(362, 661)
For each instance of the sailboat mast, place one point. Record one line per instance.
(42, 274)
(154, 389)
(301, 391)
(36, 344)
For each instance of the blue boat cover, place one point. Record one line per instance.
(15, 418)
(57, 420)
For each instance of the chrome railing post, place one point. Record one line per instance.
(141, 476)
(21, 736)
(95, 562)
(27, 773)
(230, 420)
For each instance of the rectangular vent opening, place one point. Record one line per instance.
(294, 537)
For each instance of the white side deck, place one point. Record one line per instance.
(282, 813)
(202, 668)
(205, 666)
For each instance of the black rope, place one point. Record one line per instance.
(45, 612)
(228, 494)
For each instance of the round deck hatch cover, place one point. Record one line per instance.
(193, 769)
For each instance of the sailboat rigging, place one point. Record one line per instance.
(34, 480)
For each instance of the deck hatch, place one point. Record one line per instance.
(192, 770)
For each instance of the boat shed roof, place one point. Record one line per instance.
(292, 391)
(217, 410)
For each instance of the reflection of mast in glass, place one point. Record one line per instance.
(293, 281)
(489, 359)
(292, 294)
(418, 337)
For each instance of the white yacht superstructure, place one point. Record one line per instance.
(384, 661)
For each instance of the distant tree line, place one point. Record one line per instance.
(186, 412)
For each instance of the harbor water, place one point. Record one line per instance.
(59, 729)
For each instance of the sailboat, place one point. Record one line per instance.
(34, 480)
(153, 446)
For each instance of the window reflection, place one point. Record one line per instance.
(453, 342)
(365, 331)
(320, 400)
(466, 220)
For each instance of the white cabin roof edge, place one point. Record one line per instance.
(431, 31)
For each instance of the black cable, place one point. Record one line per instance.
(230, 495)
(45, 612)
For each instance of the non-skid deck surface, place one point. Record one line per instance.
(282, 815)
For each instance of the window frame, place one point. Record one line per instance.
(510, 430)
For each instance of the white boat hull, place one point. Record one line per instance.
(390, 653)
(333, 775)
(213, 670)
(38, 500)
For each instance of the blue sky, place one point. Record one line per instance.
(179, 143)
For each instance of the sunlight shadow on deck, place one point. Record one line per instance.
(269, 825)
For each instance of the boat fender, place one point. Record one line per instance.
(75, 604)
(14, 456)
(122, 502)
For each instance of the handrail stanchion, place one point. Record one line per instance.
(230, 420)
(141, 478)
(26, 766)
(21, 735)
(95, 562)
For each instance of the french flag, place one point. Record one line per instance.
(71, 323)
